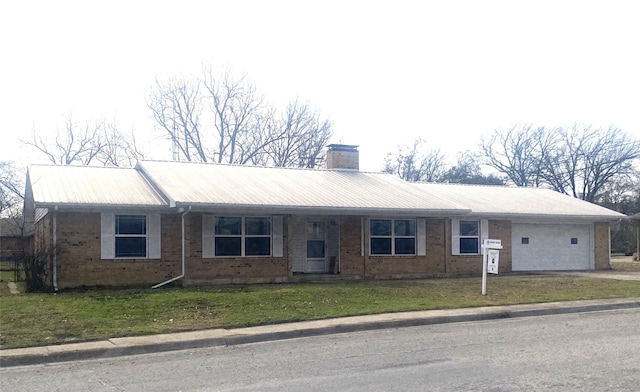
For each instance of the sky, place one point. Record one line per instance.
(384, 72)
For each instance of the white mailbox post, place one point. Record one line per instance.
(490, 260)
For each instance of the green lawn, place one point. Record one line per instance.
(69, 316)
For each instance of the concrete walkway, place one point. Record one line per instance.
(13, 288)
(226, 337)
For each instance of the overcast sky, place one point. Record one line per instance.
(384, 72)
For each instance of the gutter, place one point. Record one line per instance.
(326, 210)
(182, 274)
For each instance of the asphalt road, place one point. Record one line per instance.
(597, 351)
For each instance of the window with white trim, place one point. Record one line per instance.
(392, 236)
(469, 237)
(242, 236)
(131, 236)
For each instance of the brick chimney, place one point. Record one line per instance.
(343, 157)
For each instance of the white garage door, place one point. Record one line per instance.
(538, 247)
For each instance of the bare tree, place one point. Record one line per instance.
(604, 156)
(176, 104)
(221, 118)
(519, 153)
(302, 138)
(94, 142)
(586, 160)
(412, 165)
(579, 161)
(120, 149)
(74, 143)
(467, 170)
(11, 189)
(237, 110)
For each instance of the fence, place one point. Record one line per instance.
(11, 269)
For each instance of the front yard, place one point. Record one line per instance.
(72, 316)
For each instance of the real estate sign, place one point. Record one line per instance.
(493, 259)
(490, 260)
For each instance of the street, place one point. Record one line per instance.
(598, 351)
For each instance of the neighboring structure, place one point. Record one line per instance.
(208, 223)
(636, 219)
(14, 239)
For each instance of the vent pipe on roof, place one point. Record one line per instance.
(343, 157)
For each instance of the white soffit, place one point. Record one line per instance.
(91, 186)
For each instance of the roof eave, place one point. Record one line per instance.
(292, 209)
(85, 206)
(511, 216)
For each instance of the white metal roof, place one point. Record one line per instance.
(509, 202)
(212, 185)
(91, 186)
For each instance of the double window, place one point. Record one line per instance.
(242, 236)
(393, 236)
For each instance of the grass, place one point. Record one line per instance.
(70, 316)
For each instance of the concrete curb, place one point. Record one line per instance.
(117, 347)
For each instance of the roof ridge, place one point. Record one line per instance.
(80, 166)
(310, 169)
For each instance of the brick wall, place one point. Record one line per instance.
(351, 259)
(231, 269)
(411, 266)
(498, 229)
(337, 159)
(79, 261)
(501, 230)
(602, 250)
(436, 244)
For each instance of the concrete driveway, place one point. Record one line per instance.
(608, 274)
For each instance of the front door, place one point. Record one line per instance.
(316, 261)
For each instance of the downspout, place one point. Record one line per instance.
(182, 274)
(55, 252)
(340, 244)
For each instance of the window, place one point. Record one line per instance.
(131, 236)
(574, 241)
(393, 236)
(469, 237)
(525, 240)
(242, 236)
(257, 236)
